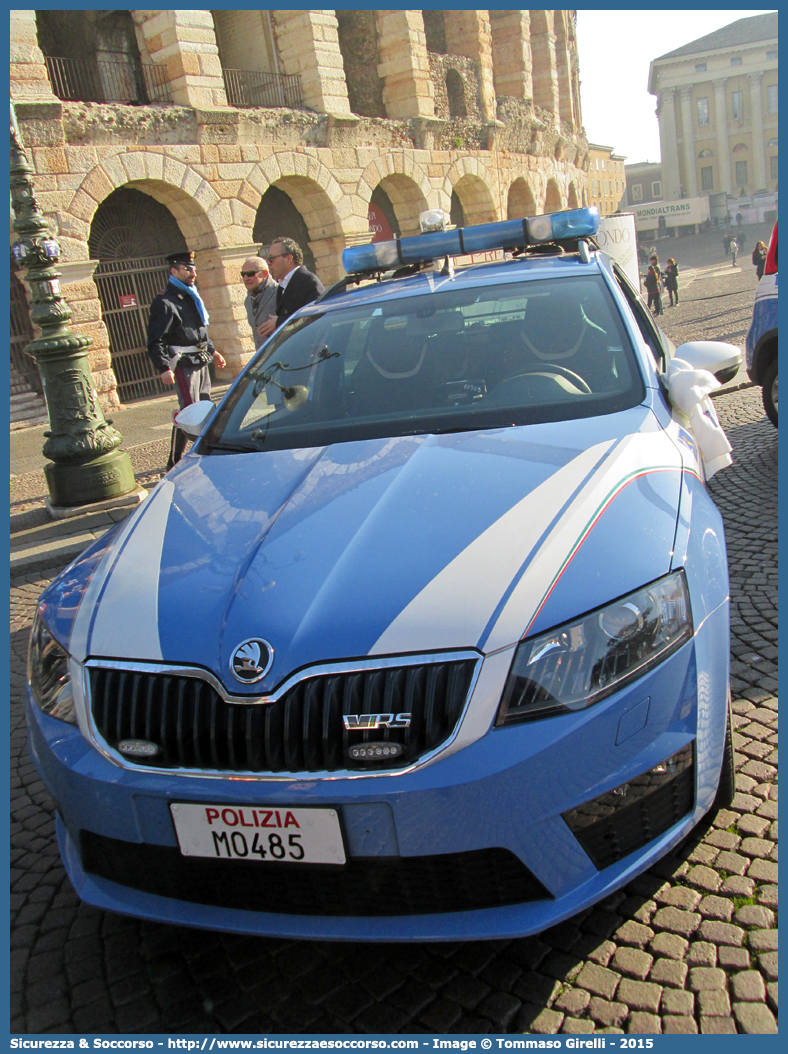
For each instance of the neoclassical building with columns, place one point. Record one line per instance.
(718, 109)
(151, 131)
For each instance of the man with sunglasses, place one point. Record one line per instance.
(297, 286)
(260, 300)
(178, 341)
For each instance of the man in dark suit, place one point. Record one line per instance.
(297, 286)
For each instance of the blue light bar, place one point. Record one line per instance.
(483, 237)
(575, 223)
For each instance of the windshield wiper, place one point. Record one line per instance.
(234, 448)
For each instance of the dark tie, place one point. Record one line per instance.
(279, 297)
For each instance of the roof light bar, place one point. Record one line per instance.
(483, 237)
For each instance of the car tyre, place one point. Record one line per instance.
(770, 391)
(726, 788)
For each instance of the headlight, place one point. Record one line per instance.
(48, 674)
(580, 663)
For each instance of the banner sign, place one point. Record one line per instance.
(675, 213)
(379, 225)
(616, 237)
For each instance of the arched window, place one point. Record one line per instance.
(455, 90)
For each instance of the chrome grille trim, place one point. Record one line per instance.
(362, 665)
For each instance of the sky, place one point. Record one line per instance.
(616, 48)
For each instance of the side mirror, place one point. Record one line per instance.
(192, 419)
(723, 360)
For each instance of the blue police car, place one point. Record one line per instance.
(761, 341)
(428, 635)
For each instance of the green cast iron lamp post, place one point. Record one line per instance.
(82, 445)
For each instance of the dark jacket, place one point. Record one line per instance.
(652, 278)
(174, 321)
(303, 288)
(672, 277)
(759, 260)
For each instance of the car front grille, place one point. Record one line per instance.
(365, 886)
(302, 731)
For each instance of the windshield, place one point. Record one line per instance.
(445, 361)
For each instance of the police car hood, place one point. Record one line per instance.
(385, 546)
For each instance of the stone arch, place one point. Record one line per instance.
(315, 193)
(520, 201)
(406, 184)
(572, 201)
(553, 201)
(201, 214)
(471, 181)
(210, 225)
(277, 217)
(407, 199)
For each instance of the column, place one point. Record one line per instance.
(29, 78)
(185, 42)
(563, 64)
(468, 33)
(758, 152)
(688, 135)
(511, 46)
(723, 146)
(404, 65)
(545, 75)
(308, 44)
(671, 176)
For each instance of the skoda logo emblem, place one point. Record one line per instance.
(251, 660)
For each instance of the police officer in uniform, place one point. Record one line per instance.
(178, 341)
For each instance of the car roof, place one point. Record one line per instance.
(523, 268)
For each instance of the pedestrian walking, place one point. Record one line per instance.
(653, 282)
(734, 250)
(741, 239)
(759, 254)
(672, 280)
(726, 242)
(260, 300)
(178, 341)
(297, 286)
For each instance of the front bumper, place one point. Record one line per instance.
(508, 790)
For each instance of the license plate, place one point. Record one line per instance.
(254, 832)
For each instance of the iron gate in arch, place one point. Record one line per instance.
(126, 289)
(130, 235)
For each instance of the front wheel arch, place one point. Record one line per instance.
(765, 353)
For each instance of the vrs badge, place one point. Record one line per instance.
(251, 660)
(365, 722)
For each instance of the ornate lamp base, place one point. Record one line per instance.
(108, 476)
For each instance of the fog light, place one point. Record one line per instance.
(631, 815)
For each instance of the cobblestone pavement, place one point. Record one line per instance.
(690, 946)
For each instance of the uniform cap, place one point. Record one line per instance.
(186, 256)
